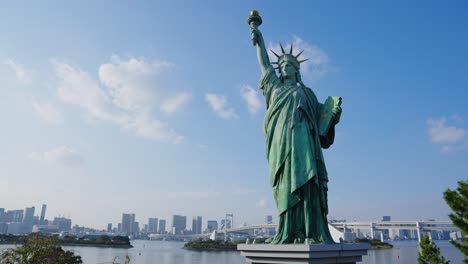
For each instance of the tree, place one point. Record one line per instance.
(429, 253)
(38, 249)
(458, 201)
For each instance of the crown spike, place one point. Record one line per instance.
(277, 56)
(282, 50)
(291, 49)
(303, 61)
(297, 56)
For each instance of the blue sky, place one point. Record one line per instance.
(153, 107)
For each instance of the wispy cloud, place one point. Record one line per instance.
(127, 96)
(251, 98)
(47, 112)
(62, 155)
(451, 138)
(318, 64)
(176, 103)
(23, 74)
(220, 106)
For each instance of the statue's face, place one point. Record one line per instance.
(288, 69)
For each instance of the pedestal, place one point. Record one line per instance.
(303, 254)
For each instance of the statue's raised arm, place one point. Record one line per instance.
(254, 21)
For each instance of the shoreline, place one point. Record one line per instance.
(75, 245)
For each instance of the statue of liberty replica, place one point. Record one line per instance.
(297, 126)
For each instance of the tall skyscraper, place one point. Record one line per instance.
(179, 223)
(43, 211)
(212, 225)
(28, 220)
(128, 221)
(162, 226)
(153, 225)
(197, 225)
(109, 227)
(269, 219)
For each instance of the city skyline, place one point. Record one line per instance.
(109, 108)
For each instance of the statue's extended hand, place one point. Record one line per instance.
(337, 114)
(256, 35)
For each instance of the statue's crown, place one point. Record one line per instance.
(288, 56)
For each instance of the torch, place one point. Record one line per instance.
(254, 21)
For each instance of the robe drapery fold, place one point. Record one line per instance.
(297, 170)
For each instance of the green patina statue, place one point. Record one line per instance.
(297, 126)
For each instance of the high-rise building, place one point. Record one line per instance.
(119, 227)
(109, 227)
(152, 225)
(269, 219)
(179, 223)
(128, 221)
(63, 224)
(29, 215)
(14, 216)
(197, 225)
(386, 218)
(2, 211)
(28, 220)
(212, 225)
(43, 211)
(162, 226)
(135, 228)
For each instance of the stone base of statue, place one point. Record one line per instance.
(303, 254)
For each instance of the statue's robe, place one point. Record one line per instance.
(297, 170)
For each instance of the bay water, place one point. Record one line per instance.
(169, 252)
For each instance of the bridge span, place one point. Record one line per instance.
(338, 229)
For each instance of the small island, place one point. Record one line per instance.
(72, 241)
(211, 245)
(375, 244)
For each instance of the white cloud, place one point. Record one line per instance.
(318, 64)
(440, 132)
(175, 103)
(154, 129)
(251, 98)
(62, 155)
(219, 105)
(126, 98)
(131, 82)
(78, 87)
(451, 138)
(261, 204)
(47, 112)
(23, 74)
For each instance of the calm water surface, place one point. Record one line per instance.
(162, 252)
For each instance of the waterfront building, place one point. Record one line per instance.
(197, 224)
(162, 226)
(63, 224)
(45, 229)
(179, 224)
(386, 218)
(14, 216)
(212, 225)
(15, 228)
(269, 219)
(128, 221)
(153, 225)
(109, 227)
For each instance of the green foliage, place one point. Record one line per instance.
(37, 249)
(429, 253)
(458, 201)
(210, 245)
(375, 244)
